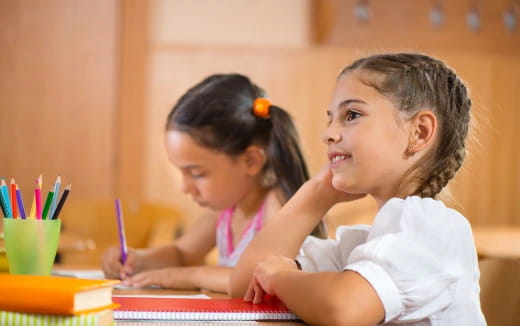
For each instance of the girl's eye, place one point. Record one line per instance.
(197, 175)
(194, 173)
(352, 115)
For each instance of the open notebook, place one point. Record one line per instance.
(177, 309)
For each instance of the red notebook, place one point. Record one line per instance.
(167, 308)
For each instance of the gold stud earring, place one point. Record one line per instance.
(409, 151)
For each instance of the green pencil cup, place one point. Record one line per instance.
(31, 245)
(4, 266)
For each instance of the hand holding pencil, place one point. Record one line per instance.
(121, 262)
(114, 269)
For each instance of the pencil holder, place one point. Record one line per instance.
(31, 245)
(3, 258)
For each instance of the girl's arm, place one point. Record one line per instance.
(328, 298)
(190, 249)
(289, 228)
(211, 278)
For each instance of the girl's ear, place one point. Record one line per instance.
(424, 129)
(255, 159)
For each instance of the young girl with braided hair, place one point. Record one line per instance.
(397, 130)
(240, 159)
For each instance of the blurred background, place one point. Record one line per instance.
(86, 86)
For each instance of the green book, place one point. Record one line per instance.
(99, 318)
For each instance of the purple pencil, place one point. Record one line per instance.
(121, 230)
(20, 202)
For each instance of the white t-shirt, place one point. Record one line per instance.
(418, 255)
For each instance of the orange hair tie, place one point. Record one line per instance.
(261, 107)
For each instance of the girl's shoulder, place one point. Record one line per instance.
(421, 215)
(273, 202)
(418, 207)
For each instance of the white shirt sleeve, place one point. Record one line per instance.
(325, 255)
(409, 257)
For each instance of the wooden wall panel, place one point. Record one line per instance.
(233, 22)
(57, 93)
(406, 24)
(131, 109)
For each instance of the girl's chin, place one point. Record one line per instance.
(342, 185)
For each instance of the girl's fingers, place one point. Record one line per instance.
(126, 271)
(258, 293)
(248, 297)
(128, 268)
(111, 265)
(139, 280)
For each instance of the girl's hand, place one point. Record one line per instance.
(135, 263)
(112, 267)
(111, 263)
(325, 192)
(261, 282)
(172, 278)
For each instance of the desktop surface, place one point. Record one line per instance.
(82, 271)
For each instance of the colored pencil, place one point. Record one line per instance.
(14, 205)
(121, 230)
(62, 201)
(2, 205)
(32, 213)
(48, 202)
(20, 202)
(57, 185)
(38, 200)
(5, 198)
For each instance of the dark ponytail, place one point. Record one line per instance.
(285, 158)
(284, 155)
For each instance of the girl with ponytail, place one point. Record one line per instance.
(240, 158)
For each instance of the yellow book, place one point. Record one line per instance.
(54, 295)
(98, 318)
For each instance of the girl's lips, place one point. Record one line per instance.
(338, 158)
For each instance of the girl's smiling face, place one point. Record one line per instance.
(367, 139)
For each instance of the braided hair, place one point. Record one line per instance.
(414, 82)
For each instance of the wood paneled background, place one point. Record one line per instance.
(58, 62)
(86, 86)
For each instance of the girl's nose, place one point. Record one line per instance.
(330, 136)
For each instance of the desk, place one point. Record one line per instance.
(158, 292)
(497, 241)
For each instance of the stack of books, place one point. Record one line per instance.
(53, 300)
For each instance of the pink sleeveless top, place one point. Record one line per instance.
(228, 254)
